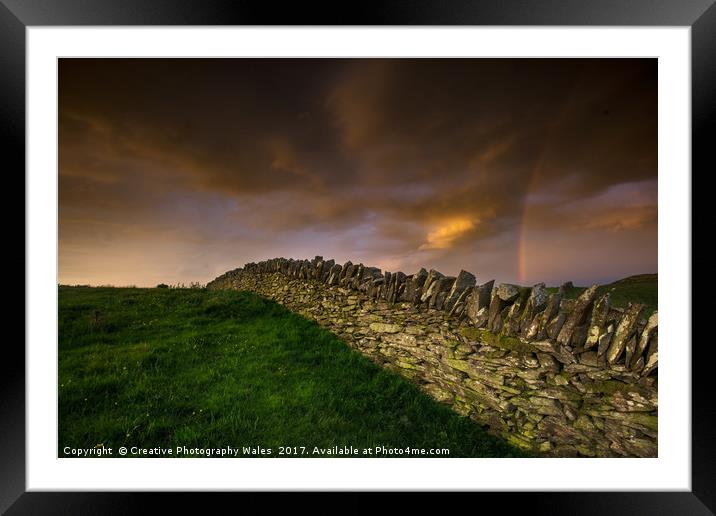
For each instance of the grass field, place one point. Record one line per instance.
(642, 288)
(163, 368)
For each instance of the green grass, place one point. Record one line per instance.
(196, 368)
(642, 288)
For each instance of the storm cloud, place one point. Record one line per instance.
(524, 170)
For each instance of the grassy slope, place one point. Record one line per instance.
(165, 367)
(642, 288)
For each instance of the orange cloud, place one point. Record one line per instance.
(443, 236)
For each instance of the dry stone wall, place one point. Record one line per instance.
(560, 377)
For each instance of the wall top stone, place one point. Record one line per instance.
(587, 329)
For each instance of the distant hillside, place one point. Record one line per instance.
(640, 288)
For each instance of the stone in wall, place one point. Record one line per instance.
(652, 357)
(624, 332)
(326, 270)
(500, 301)
(354, 279)
(335, 274)
(346, 273)
(507, 292)
(429, 285)
(580, 310)
(413, 287)
(512, 321)
(396, 283)
(647, 333)
(316, 267)
(478, 303)
(598, 323)
(438, 292)
(494, 320)
(458, 308)
(463, 281)
(549, 316)
(536, 303)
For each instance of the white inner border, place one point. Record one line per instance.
(671, 471)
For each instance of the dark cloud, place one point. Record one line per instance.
(438, 162)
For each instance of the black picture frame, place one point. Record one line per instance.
(17, 15)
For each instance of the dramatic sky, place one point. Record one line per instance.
(521, 170)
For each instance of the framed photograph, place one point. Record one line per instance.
(427, 248)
